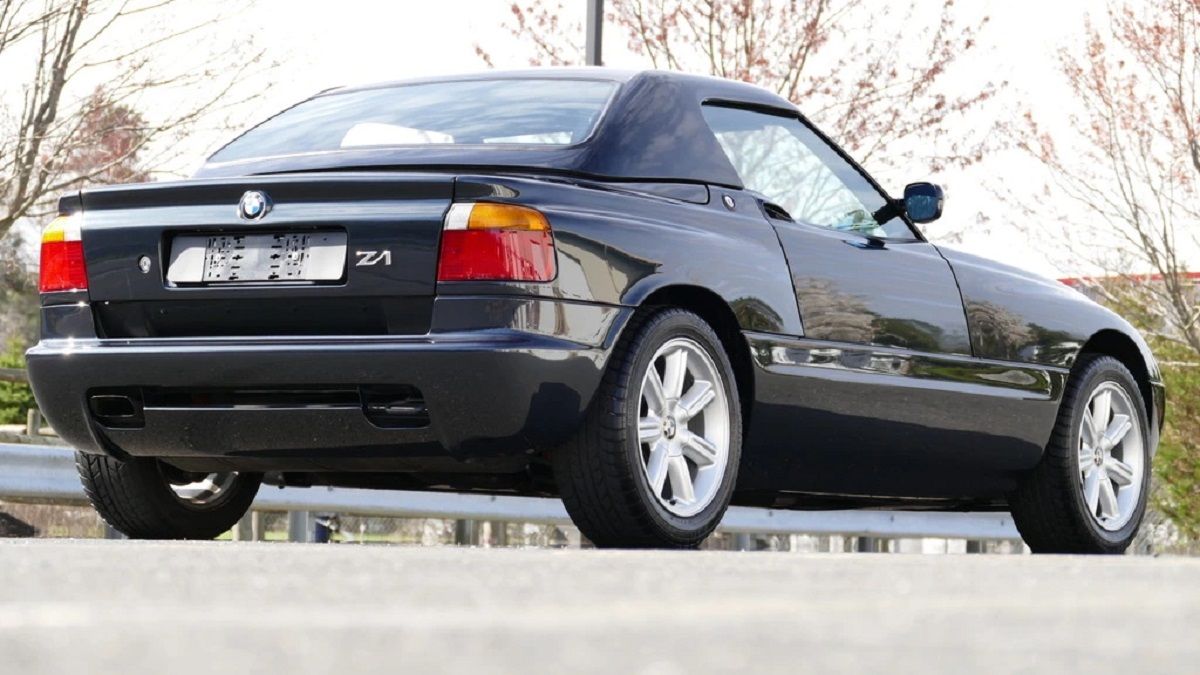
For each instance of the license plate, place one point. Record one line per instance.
(231, 258)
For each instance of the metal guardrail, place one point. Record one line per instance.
(44, 473)
(13, 375)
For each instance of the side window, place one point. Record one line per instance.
(785, 161)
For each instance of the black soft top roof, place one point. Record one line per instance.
(651, 131)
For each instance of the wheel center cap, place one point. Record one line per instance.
(1098, 457)
(669, 427)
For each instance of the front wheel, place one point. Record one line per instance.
(146, 498)
(1089, 492)
(656, 461)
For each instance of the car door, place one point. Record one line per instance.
(856, 280)
(881, 394)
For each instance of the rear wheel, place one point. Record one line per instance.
(656, 461)
(1088, 494)
(147, 499)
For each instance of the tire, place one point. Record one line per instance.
(137, 497)
(1051, 506)
(603, 473)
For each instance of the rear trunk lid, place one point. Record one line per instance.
(332, 254)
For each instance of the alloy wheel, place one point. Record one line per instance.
(200, 489)
(1111, 457)
(683, 427)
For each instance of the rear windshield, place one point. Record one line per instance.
(503, 111)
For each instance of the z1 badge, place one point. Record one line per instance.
(372, 258)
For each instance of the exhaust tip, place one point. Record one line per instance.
(118, 411)
(399, 407)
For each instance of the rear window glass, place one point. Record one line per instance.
(502, 111)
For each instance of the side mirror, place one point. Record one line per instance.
(923, 202)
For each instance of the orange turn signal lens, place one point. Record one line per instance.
(491, 216)
(496, 242)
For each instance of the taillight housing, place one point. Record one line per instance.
(484, 241)
(62, 266)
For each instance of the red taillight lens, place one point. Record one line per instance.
(62, 266)
(496, 242)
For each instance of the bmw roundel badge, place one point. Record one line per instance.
(254, 205)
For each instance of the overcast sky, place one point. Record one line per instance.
(320, 44)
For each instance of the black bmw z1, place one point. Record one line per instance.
(650, 294)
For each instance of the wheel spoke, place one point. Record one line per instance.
(681, 480)
(1087, 460)
(1101, 409)
(205, 490)
(697, 399)
(674, 373)
(1108, 499)
(1089, 432)
(1120, 425)
(656, 399)
(702, 451)
(1091, 491)
(1120, 472)
(649, 429)
(656, 467)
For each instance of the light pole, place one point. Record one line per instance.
(595, 28)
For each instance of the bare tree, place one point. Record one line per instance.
(1130, 163)
(111, 153)
(77, 121)
(870, 74)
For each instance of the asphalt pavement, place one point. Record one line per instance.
(135, 607)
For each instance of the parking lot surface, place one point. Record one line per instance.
(136, 607)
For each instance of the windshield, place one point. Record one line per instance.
(503, 111)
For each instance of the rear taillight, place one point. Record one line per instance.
(62, 266)
(496, 242)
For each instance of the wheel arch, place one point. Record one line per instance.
(1122, 347)
(717, 313)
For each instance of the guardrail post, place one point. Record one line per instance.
(33, 422)
(300, 526)
(499, 533)
(256, 531)
(243, 530)
(466, 532)
(867, 545)
(742, 541)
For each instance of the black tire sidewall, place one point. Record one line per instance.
(135, 497)
(656, 332)
(1094, 374)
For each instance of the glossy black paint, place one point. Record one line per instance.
(499, 376)
(1015, 315)
(403, 212)
(866, 372)
(618, 247)
(863, 420)
(857, 289)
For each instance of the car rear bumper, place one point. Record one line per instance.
(483, 391)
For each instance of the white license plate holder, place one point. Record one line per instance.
(265, 258)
